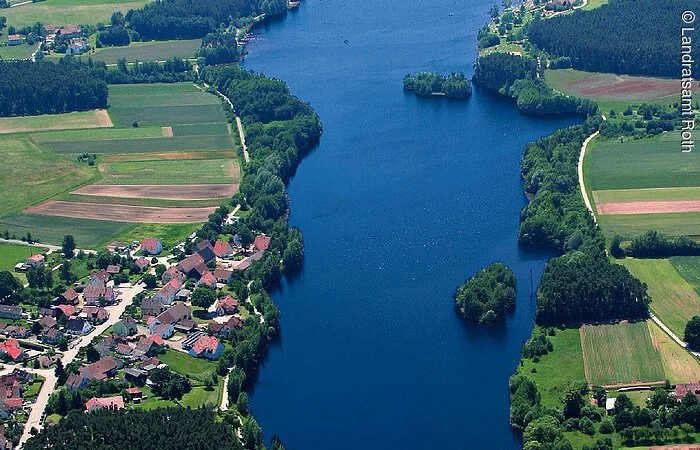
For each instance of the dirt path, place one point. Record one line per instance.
(581, 182)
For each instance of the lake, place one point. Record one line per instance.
(403, 199)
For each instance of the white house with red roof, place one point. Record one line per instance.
(95, 403)
(11, 348)
(36, 261)
(151, 246)
(207, 347)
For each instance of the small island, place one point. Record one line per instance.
(487, 296)
(427, 84)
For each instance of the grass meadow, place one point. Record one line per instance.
(629, 225)
(679, 365)
(653, 194)
(148, 51)
(179, 171)
(673, 299)
(67, 12)
(621, 353)
(689, 268)
(24, 124)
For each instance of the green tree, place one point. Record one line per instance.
(68, 246)
(10, 288)
(65, 274)
(573, 401)
(203, 297)
(235, 384)
(242, 403)
(150, 280)
(692, 332)
(252, 434)
(60, 373)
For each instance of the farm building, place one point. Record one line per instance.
(14, 39)
(151, 246)
(95, 403)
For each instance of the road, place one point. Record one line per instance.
(581, 182)
(127, 294)
(223, 406)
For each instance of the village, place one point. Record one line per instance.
(114, 341)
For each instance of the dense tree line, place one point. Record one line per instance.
(487, 296)
(425, 84)
(28, 88)
(219, 48)
(114, 36)
(190, 19)
(646, 37)
(654, 244)
(692, 333)
(498, 71)
(487, 38)
(134, 429)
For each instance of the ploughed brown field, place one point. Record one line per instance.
(122, 213)
(161, 191)
(657, 207)
(623, 87)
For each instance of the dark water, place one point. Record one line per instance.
(403, 199)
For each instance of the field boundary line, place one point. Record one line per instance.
(586, 369)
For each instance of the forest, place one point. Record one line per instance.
(190, 19)
(219, 47)
(654, 244)
(636, 37)
(487, 296)
(426, 84)
(136, 429)
(28, 88)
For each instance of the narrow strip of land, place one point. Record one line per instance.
(581, 182)
(121, 213)
(161, 191)
(649, 207)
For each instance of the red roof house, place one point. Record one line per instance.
(95, 403)
(262, 242)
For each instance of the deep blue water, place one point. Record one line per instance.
(403, 199)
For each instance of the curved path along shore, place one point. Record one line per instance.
(581, 182)
(239, 124)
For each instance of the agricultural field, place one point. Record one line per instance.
(556, 370)
(169, 234)
(689, 268)
(174, 165)
(52, 229)
(22, 51)
(629, 225)
(679, 365)
(673, 299)
(620, 354)
(612, 91)
(68, 12)
(147, 51)
(652, 194)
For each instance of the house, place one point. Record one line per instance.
(189, 266)
(166, 294)
(152, 307)
(135, 394)
(149, 346)
(227, 305)
(78, 327)
(45, 312)
(207, 347)
(222, 275)
(183, 294)
(94, 314)
(186, 325)
(262, 242)
(52, 336)
(76, 382)
(150, 364)
(171, 273)
(207, 253)
(70, 296)
(136, 376)
(101, 276)
(66, 310)
(164, 330)
(204, 243)
(142, 263)
(191, 339)
(223, 329)
(47, 322)
(223, 249)
(117, 246)
(208, 280)
(151, 246)
(106, 345)
(95, 403)
(124, 349)
(69, 31)
(14, 39)
(610, 404)
(101, 369)
(113, 269)
(77, 46)
(36, 261)
(12, 349)
(98, 295)
(682, 389)
(18, 332)
(243, 264)
(125, 327)
(175, 314)
(10, 312)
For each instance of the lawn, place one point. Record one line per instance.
(11, 254)
(556, 370)
(629, 225)
(199, 396)
(81, 119)
(673, 299)
(689, 268)
(169, 234)
(124, 116)
(644, 163)
(620, 354)
(148, 51)
(31, 175)
(66, 12)
(22, 51)
(679, 365)
(51, 229)
(179, 171)
(197, 368)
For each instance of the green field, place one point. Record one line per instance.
(68, 12)
(51, 230)
(22, 51)
(679, 365)
(654, 194)
(72, 120)
(629, 225)
(673, 299)
(179, 171)
(557, 369)
(197, 368)
(31, 175)
(142, 145)
(11, 254)
(645, 163)
(689, 268)
(169, 234)
(620, 354)
(199, 396)
(147, 51)
(97, 134)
